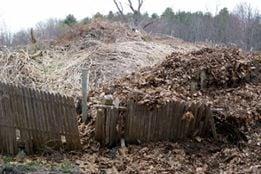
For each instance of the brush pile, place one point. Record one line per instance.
(19, 67)
(104, 31)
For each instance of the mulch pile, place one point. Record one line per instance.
(225, 78)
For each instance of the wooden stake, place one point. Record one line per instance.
(213, 127)
(84, 94)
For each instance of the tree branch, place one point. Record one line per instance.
(149, 23)
(119, 7)
(140, 5)
(131, 6)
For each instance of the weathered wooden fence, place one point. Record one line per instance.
(33, 119)
(173, 121)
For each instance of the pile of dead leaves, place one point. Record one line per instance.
(197, 155)
(225, 78)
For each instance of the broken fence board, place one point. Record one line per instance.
(144, 124)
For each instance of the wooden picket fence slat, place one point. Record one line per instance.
(173, 121)
(32, 120)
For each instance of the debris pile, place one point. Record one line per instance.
(104, 31)
(19, 67)
(219, 68)
(224, 78)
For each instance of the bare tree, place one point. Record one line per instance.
(136, 11)
(5, 35)
(247, 17)
(140, 3)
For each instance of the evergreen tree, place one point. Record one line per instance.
(70, 20)
(168, 14)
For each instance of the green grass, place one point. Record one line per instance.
(7, 159)
(67, 167)
(38, 166)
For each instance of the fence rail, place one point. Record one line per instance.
(173, 121)
(32, 119)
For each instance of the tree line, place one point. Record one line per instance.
(241, 27)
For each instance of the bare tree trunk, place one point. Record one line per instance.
(33, 40)
(136, 12)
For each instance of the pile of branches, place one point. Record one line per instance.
(104, 31)
(20, 67)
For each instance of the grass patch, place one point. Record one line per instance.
(10, 164)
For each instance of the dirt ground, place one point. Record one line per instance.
(199, 155)
(119, 57)
(190, 156)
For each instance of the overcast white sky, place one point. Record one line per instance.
(19, 14)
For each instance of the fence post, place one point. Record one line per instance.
(84, 94)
